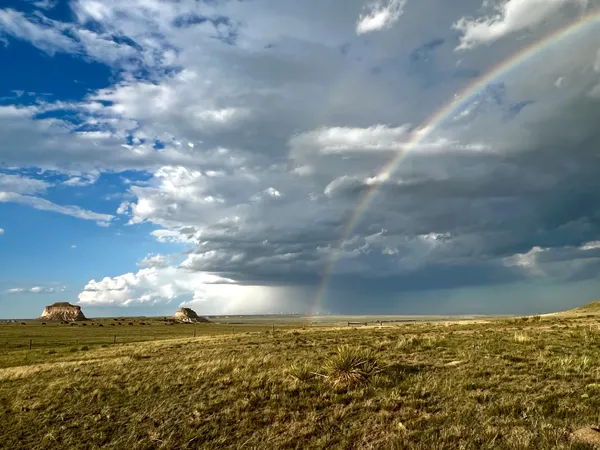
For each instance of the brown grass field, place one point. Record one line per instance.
(523, 383)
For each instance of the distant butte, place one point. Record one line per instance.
(63, 311)
(189, 315)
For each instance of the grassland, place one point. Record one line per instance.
(504, 384)
(54, 335)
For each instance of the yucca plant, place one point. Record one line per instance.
(351, 366)
(300, 373)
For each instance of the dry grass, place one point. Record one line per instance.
(521, 337)
(420, 386)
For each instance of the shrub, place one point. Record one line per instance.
(73, 349)
(350, 366)
(300, 373)
(85, 348)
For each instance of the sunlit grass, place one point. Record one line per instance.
(507, 384)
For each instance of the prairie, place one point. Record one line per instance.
(522, 383)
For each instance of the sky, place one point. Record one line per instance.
(213, 154)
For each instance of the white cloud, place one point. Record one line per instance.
(158, 261)
(37, 290)
(270, 192)
(339, 140)
(556, 262)
(44, 36)
(52, 144)
(15, 291)
(20, 184)
(510, 17)
(1, 231)
(45, 4)
(303, 171)
(342, 184)
(123, 208)
(593, 245)
(46, 205)
(379, 15)
(212, 294)
(80, 181)
(49, 35)
(526, 260)
(171, 236)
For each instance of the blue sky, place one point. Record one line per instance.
(155, 154)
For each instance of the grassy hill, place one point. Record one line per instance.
(507, 384)
(590, 308)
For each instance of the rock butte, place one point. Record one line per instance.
(63, 311)
(189, 315)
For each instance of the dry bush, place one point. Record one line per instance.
(351, 366)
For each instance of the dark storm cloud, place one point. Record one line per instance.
(275, 122)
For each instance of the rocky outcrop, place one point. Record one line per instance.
(189, 315)
(63, 311)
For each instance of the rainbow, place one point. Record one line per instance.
(440, 117)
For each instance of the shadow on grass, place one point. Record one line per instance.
(400, 370)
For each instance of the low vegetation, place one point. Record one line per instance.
(351, 366)
(505, 384)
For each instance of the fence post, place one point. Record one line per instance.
(30, 342)
(194, 332)
(115, 339)
(273, 328)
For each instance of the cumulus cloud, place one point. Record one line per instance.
(209, 293)
(379, 15)
(509, 17)
(291, 125)
(158, 261)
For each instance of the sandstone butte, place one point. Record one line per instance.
(63, 311)
(188, 315)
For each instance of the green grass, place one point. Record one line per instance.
(505, 384)
(54, 335)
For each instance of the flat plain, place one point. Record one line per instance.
(521, 383)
